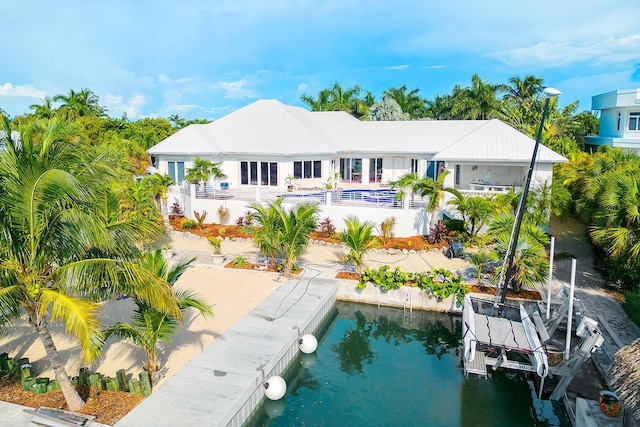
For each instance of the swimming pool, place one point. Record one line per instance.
(380, 366)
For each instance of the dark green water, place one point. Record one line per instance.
(379, 367)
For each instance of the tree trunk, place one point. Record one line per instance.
(71, 396)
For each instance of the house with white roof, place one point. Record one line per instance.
(341, 162)
(619, 119)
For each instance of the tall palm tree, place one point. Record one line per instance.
(524, 91)
(80, 104)
(360, 239)
(57, 254)
(44, 110)
(409, 102)
(435, 190)
(149, 326)
(478, 101)
(338, 98)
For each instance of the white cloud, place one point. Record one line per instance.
(117, 104)
(302, 88)
(561, 54)
(29, 91)
(164, 79)
(398, 67)
(234, 90)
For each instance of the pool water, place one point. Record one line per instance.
(383, 367)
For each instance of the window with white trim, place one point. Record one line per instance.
(634, 121)
(307, 169)
(375, 169)
(176, 171)
(266, 173)
(414, 166)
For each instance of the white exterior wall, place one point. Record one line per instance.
(409, 222)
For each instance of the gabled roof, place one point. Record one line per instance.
(497, 141)
(273, 128)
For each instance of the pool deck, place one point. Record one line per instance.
(222, 385)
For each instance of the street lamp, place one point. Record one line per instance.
(522, 205)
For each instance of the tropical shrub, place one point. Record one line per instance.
(359, 238)
(188, 224)
(216, 244)
(438, 233)
(326, 228)
(176, 210)
(386, 230)
(385, 277)
(240, 261)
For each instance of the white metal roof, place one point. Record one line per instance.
(273, 128)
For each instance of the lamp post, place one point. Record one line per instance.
(522, 205)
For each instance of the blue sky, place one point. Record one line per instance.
(204, 59)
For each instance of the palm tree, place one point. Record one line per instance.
(284, 233)
(293, 229)
(202, 170)
(474, 210)
(266, 237)
(435, 191)
(80, 104)
(530, 263)
(158, 185)
(137, 200)
(524, 91)
(409, 102)
(44, 110)
(478, 101)
(338, 98)
(359, 238)
(479, 260)
(57, 254)
(150, 326)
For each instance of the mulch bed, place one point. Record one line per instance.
(487, 290)
(260, 267)
(107, 406)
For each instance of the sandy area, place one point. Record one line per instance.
(232, 292)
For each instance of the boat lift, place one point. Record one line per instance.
(521, 343)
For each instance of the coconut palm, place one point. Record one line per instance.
(360, 239)
(44, 110)
(338, 98)
(478, 101)
(409, 102)
(80, 104)
(524, 91)
(57, 253)
(150, 327)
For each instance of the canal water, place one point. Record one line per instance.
(386, 367)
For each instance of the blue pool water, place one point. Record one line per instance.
(381, 367)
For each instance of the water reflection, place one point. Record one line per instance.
(378, 366)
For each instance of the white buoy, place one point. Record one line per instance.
(308, 344)
(275, 387)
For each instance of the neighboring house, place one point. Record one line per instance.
(619, 119)
(266, 146)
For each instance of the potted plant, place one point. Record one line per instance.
(290, 180)
(216, 244)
